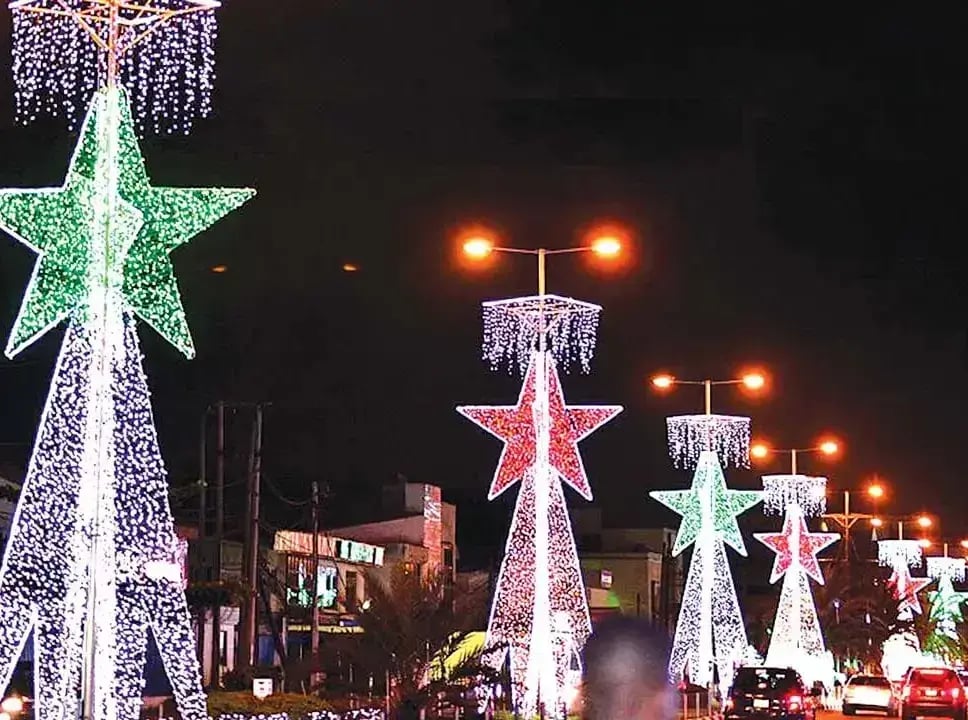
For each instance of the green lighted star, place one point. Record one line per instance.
(946, 602)
(708, 482)
(79, 244)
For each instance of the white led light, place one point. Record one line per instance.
(807, 493)
(893, 553)
(512, 329)
(539, 618)
(726, 435)
(710, 628)
(946, 567)
(166, 54)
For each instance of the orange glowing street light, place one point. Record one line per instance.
(964, 544)
(760, 450)
(876, 522)
(924, 522)
(925, 543)
(477, 245)
(754, 380)
(875, 491)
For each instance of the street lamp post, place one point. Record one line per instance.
(537, 321)
(753, 380)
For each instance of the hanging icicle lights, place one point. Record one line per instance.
(780, 491)
(894, 553)
(165, 53)
(946, 567)
(726, 435)
(513, 328)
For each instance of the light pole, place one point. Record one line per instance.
(848, 518)
(534, 331)
(752, 380)
(709, 631)
(479, 246)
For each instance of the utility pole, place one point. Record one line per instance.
(216, 659)
(248, 651)
(202, 469)
(314, 625)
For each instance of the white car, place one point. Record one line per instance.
(869, 692)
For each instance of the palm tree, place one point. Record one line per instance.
(414, 634)
(856, 609)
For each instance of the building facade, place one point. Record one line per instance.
(629, 570)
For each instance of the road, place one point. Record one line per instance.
(832, 715)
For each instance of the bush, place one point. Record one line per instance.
(223, 703)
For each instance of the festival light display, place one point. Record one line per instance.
(93, 564)
(945, 614)
(797, 640)
(539, 619)
(902, 649)
(164, 56)
(710, 631)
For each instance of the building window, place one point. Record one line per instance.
(352, 592)
(448, 556)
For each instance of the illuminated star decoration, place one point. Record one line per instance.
(906, 588)
(725, 504)
(946, 603)
(515, 425)
(61, 225)
(782, 543)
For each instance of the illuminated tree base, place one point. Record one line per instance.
(44, 584)
(797, 641)
(718, 637)
(511, 629)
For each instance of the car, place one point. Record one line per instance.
(869, 692)
(769, 692)
(932, 692)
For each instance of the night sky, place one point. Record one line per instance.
(792, 175)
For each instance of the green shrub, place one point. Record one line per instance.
(245, 702)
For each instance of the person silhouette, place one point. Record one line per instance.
(625, 675)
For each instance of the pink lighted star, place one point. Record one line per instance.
(906, 589)
(515, 425)
(810, 544)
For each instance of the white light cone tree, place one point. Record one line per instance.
(710, 633)
(92, 563)
(797, 640)
(539, 619)
(902, 649)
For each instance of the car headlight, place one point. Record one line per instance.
(12, 705)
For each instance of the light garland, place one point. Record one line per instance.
(166, 48)
(517, 425)
(781, 491)
(514, 328)
(710, 628)
(945, 612)
(708, 504)
(952, 568)
(796, 640)
(894, 553)
(65, 227)
(905, 590)
(539, 618)
(88, 563)
(726, 435)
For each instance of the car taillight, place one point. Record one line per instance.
(795, 701)
(955, 692)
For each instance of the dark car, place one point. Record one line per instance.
(932, 692)
(769, 692)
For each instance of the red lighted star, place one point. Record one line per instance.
(783, 544)
(515, 425)
(906, 588)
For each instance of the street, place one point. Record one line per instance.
(836, 715)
